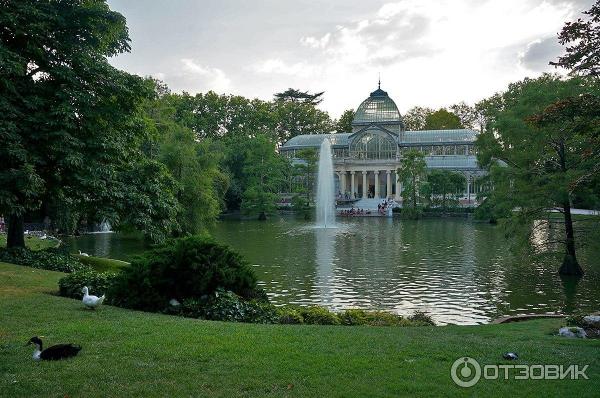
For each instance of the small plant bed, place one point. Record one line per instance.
(589, 323)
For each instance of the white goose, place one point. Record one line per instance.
(83, 254)
(91, 301)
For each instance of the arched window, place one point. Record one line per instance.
(373, 146)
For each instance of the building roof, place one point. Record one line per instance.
(438, 136)
(378, 108)
(315, 140)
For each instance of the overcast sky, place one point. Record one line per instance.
(429, 52)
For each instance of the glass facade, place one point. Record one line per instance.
(373, 145)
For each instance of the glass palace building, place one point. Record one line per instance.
(366, 159)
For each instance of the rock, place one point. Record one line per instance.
(592, 320)
(173, 302)
(572, 332)
(511, 356)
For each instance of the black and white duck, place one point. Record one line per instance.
(56, 352)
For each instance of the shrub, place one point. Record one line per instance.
(49, 259)
(186, 268)
(97, 282)
(353, 317)
(316, 315)
(289, 316)
(228, 306)
(422, 318)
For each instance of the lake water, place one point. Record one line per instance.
(459, 271)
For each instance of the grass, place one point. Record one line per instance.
(33, 243)
(130, 353)
(102, 264)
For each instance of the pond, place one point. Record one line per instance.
(459, 271)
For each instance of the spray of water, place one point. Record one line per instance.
(325, 188)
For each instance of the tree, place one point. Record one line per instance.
(263, 171)
(414, 118)
(344, 124)
(583, 55)
(443, 183)
(468, 115)
(412, 174)
(304, 97)
(544, 132)
(296, 118)
(305, 172)
(442, 120)
(71, 124)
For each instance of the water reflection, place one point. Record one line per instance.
(461, 272)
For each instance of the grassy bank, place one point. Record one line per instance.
(33, 242)
(129, 353)
(102, 264)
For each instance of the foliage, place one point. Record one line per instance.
(304, 172)
(445, 183)
(415, 118)
(422, 317)
(317, 315)
(542, 146)
(470, 117)
(263, 173)
(294, 95)
(98, 283)
(294, 118)
(582, 39)
(442, 119)
(185, 268)
(289, 315)
(412, 173)
(71, 124)
(344, 123)
(49, 259)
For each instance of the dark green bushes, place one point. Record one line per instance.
(186, 268)
(98, 282)
(228, 306)
(49, 259)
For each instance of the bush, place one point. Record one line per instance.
(316, 315)
(228, 306)
(49, 259)
(289, 316)
(186, 268)
(98, 283)
(422, 318)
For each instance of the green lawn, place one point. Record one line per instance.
(129, 353)
(33, 242)
(102, 264)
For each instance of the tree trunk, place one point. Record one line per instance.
(14, 235)
(570, 266)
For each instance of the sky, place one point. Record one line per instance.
(428, 52)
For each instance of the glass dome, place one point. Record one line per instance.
(378, 108)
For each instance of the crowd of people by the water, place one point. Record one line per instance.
(382, 207)
(354, 212)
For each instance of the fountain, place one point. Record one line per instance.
(325, 188)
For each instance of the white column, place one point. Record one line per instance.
(343, 182)
(352, 185)
(364, 190)
(388, 182)
(376, 172)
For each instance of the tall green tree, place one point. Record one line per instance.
(305, 172)
(70, 123)
(442, 119)
(344, 124)
(412, 173)
(263, 172)
(541, 147)
(295, 95)
(415, 118)
(444, 185)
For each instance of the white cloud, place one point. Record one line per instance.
(277, 66)
(315, 42)
(207, 77)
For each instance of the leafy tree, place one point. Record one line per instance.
(412, 173)
(442, 120)
(415, 118)
(469, 116)
(294, 95)
(70, 123)
(545, 133)
(263, 171)
(296, 118)
(344, 124)
(443, 183)
(305, 171)
(582, 39)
